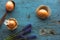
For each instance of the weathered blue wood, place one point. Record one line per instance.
(25, 13)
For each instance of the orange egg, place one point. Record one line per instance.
(9, 6)
(12, 24)
(42, 13)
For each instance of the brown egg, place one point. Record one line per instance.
(9, 6)
(42, 13)
(12, 24)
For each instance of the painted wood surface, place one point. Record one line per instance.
(25, 13)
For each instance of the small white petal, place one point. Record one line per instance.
(6, 22)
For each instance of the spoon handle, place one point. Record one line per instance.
(3, 18)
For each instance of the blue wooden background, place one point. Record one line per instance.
(25, 13)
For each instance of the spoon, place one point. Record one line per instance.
(9, 8)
